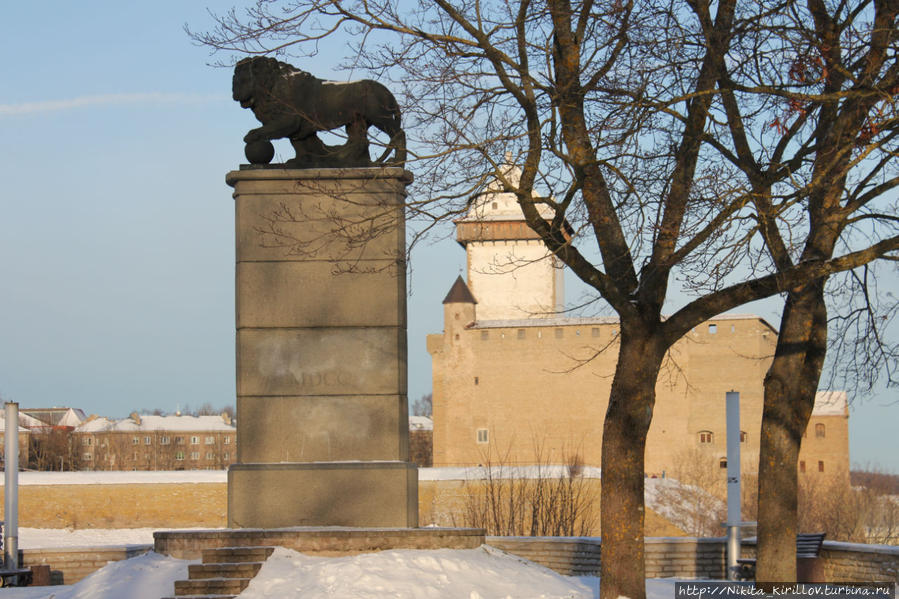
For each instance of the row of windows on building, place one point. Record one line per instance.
(559, 333)
(164, 440)
(705, 437)
(179, 456)
(709, 437)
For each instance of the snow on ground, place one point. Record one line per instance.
(408, 574)
(55, 538)
(483, 573)
(149, 576)
(121, 477)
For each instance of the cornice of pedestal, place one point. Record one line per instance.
(249, 172)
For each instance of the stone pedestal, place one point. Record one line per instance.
(322, 421)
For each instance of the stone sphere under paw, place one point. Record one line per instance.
(259, 152)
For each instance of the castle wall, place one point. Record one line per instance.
(535, 391)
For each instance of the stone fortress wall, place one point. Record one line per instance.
(518, 382)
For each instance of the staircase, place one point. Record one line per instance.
(224, 573)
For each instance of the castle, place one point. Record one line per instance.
(514, 382)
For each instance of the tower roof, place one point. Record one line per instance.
(459, 293)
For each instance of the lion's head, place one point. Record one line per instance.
(255, 77)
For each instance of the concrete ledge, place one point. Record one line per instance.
(325, 541)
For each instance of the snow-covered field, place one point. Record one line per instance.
(483, 573)
(54, 538)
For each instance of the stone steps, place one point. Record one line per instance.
(224, 573)
(223, 570)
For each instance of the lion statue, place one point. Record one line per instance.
(293, 104)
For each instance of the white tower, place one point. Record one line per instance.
(510, 271)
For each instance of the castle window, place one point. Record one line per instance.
(819, 431)
(820, 466)
(594, 332)
(560, 333)
(743, 436)
(722, 463)
(485, 335)
(713, 328)
(476, 380)
(482, 435)
(521, 333)
(801, 465)
(705, 436)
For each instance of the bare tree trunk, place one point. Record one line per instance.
(622, 567)
(790, 387)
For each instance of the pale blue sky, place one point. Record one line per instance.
(116, 226)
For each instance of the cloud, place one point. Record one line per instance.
(106, 100)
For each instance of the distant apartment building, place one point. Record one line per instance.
(146, 442)
(24, 439)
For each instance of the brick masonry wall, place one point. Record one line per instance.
(69, 565)
(687, 557)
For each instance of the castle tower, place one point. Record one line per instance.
(510, 271)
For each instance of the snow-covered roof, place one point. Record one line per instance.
(148, 423)
(72, 418)
(3, 424)
(420, 423)
(831, 403)
(29, 421)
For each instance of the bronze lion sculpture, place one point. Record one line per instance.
(293, 104)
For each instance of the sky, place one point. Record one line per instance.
(117, 228)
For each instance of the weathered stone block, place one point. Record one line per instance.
(316, 293)
(322, 428)
(326, 361)
(376, 494)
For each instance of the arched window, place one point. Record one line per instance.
(722, 463)
(819, 430)
(706, 437)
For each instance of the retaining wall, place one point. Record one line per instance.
(689, 557)
(69, 565)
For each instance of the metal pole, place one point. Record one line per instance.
(733, 483)
(11, 495)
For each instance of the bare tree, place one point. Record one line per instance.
(808, 104)
(608, 121)
(51, 448)
(692, 498)
(423, 406)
